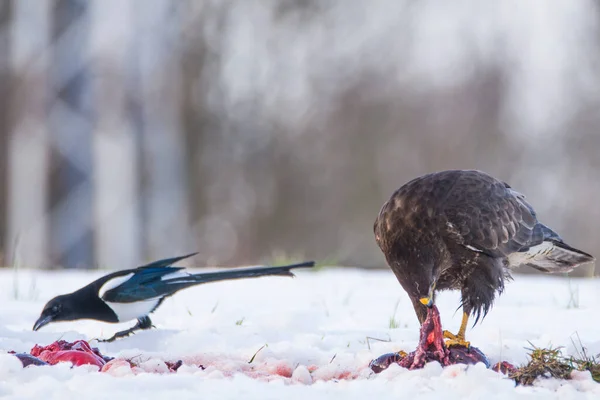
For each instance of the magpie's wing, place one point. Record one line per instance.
(143, 283)
(167, 261)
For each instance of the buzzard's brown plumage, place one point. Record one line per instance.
(463, 230)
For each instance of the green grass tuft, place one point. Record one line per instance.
(543, 363)
(393, 322)
(550, 363)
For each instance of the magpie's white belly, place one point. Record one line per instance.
(129, 311)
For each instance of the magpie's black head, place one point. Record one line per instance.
(60, 308)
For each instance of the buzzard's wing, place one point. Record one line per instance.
(479, 212)
(488, 216)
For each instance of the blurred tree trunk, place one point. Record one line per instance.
(5, 102)
(135, 112)
(195, 121)
(27, 236)
(117, 219)
(199, 62)
(71, 191)
(164, 190)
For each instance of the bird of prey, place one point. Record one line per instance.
(464, 230)
(135, 293)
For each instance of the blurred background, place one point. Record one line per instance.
(257, 131)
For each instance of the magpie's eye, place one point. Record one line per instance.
(55, 309)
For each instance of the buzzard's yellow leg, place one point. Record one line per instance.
(459, 338)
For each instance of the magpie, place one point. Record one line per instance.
(135, 293)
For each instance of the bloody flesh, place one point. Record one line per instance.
(77, 353)
(504, 367)
(431, 348)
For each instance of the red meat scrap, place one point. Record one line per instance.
(504, 367)
(78, 353)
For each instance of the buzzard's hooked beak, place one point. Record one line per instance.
(428, 301)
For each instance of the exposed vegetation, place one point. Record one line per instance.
(550, 363)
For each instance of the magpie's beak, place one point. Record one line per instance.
(42, 320)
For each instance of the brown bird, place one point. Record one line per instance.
(464, 230)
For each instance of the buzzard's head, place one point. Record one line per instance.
(418, 280)
(395, 229)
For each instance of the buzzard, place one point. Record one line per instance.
(464, 230)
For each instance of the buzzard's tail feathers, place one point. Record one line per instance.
(554, 257)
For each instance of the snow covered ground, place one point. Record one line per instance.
(317, 322)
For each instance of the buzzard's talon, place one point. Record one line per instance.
(458, 342)
(455, 340)
(459, 338)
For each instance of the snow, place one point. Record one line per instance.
(313, 333)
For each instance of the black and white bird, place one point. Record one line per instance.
(135, 293)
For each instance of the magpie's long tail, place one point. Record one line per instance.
(187, 280)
